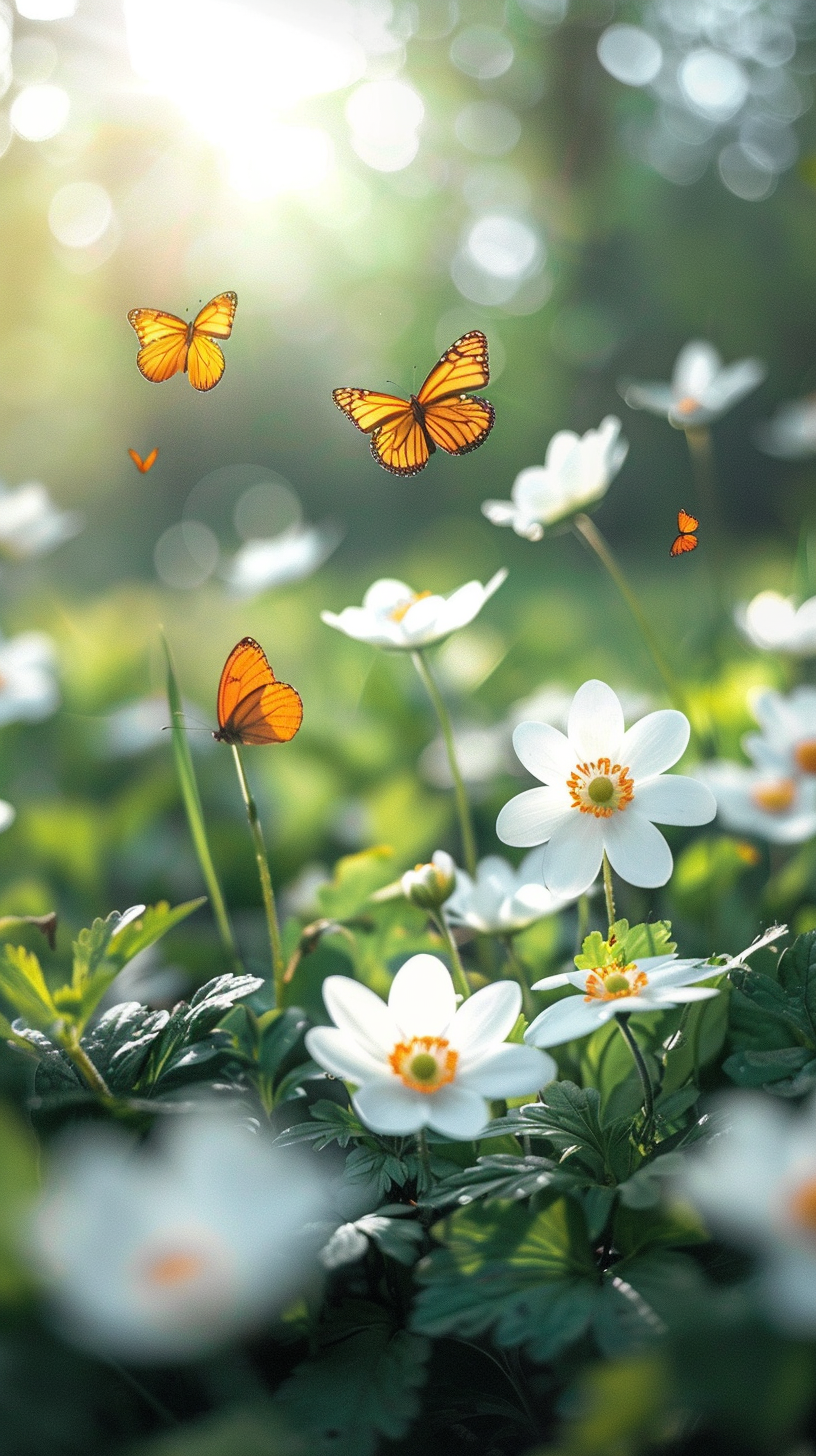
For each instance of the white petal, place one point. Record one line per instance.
(733, 383)
(637, 851)
(510, 1071)
(422, 1000)
(484, 1019)
(566, 1020)
(386, 594)
(573, 856)
(679, 995)
(697, 364)
(500, 513)
(339, 1054)
(653, 396)
(674, 799)
(531, 817)
(551, 983)
(544, 751)
(457, 1112)
(388, 1106)
(655, 743)
(424, 618)
(361, 1014)
(595, 725)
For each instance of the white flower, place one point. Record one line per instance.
(701, 389)
(756, 1183)
(791, 434)
(160, 1254)
(551, 704)
(28, 688)
(765, 802)
(30, 524)
(578, 470)
(775, 624)
(502, 900)
(395, 617)
(787, 743)
(655, 983)
(604, 791)
(418, 1062)
(273, 561)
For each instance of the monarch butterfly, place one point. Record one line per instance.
(149, 461)
(405, 433)
(687, 540)
(169, 345)
(253, 707)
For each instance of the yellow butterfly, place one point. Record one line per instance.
(171, 346)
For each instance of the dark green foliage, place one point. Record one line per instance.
(773, 1024)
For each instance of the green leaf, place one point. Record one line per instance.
(625, 944)
(499, 1175)
(102, 951)
(772, 1022)
(19, 1160)
(356, 877)
(23, 984)
(569, 1117)
(636, 1229)
(361, 1386)
(178, 1049)
(329, 1123)
(393, 1229)
(253, 1432)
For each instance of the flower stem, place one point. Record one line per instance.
(583, 919)
(460, 980)
(278, 963)
(90, 1075)
(424, 1159)
(462, 806)
(517, 971)
(642, 1071)
(609, 893)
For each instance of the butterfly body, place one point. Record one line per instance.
(686, 540)
(170, 345)
(406, 433)
(253, 707)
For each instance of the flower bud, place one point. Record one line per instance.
(430, 885)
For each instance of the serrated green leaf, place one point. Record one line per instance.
(625, 943)
(103, 950)
(498, 1175)
(569, 1117)
(191, 1023)
(23, 984)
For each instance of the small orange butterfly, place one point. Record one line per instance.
(687, 540)
(149, 461)
(405, 433)
(171, 346)
(253, 707)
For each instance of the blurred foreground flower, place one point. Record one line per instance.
(274, 561)
(762, 802)
(755, 1182)
(787, 742)
(165, 1253)
(654, 983)
(791, 433)
(30, 523)
(28, 688)
(502, 900)
(399, 619)
(701, 388)
(604, 790)
(418, 1062)
(773, 623)
(578, 470)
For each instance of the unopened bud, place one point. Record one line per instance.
(430, 885)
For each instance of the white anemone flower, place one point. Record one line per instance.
(577, 472)
(774, 623)
(755, 1183)
(401, 620)
(502, 900)
(30, 523)
(274, 561)
(701, 389)
(604, 790)
(28, 687)
(787, 742)
(655, 983)
(791, 433)
(765, 802)
(418, 1061)
(165, 1253)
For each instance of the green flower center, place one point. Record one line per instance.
(424, 1067)
(601, 790)
(617, 982)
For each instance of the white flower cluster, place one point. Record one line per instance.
(775, 797)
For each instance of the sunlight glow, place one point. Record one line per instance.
(384, 117)
(46, 9)
(39, 112)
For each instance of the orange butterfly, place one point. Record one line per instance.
(405, 433)
(149, 461)
(687, 540)
(170, 346)
(253, 707)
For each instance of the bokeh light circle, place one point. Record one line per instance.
(384, 117)
(267, 509)
(39, 112)
(185, 555)
(503, 246)
(487, 128)
(482, 52)
(713, 82)
(80, 214)
(630, 54)
(744, 175)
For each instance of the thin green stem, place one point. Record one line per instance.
(517, 971)
(457, 969)
(609, 893)
(583, 919)
(424, 1158)
(276, 947)
(90, 1075)
(462, 806)
(146, 1395)
(642, 1071)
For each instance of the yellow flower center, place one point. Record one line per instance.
(174, 1268)
(805, 755)
(425, 1063)
(802, 1207)
(399, 612)
(610, 983)
(687, 405)
(600, 788)
(775, 798)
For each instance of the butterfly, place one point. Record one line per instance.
(149, 461)
(170, 346)
(253, 707)
(687, 540)
(405, 433)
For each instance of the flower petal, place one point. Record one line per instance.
(485, 1019)
(361, 1014)
(655, 743)
(637, 851)
(573, 856)
(679, 995)
(695, 367)
(675, 799)
(422, 1000)
(510, 1071)
(567, 1019)
(544, 751)
(386, 594)
(457, 1112)
(595, 724)
(339, 1054)
(530, 818)
(389, 1107)
(551, 983)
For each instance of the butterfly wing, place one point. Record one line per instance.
(163, 338)
(149, 461)
(153, 325)
(205, 363)
(463, 366)
(368, 410)
(402, 445)
(686, 541)
(459, 425)
(215, 318)
(686, 523)
(252, 706)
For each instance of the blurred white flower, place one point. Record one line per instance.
(274, 561)
(787, 742)
(774, 623)
(604, 791)
(655, 983)
(701, 390)
(162, 1253)
(28, 687)
(755, 1183)
(791, 433)
(30, 523)
(419, 1062)
(399, 619)
(502, 900)
(760, 801)
(482, 752)
(578, 470)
